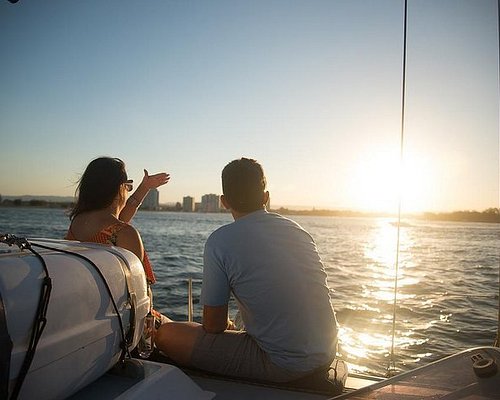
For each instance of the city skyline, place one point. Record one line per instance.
(312, 90)
(490, 214)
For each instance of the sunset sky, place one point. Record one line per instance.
(311, 89)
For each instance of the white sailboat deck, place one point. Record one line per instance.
(452, 378)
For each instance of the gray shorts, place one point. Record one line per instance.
(237, 354)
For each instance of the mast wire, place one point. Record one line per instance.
(391, 368)
(497, 339)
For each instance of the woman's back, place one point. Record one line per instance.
(103, 227)
(86, 227)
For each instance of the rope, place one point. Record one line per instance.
(392, 363)
(190, 300)
(497, 340)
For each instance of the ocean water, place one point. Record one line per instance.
(448, 278)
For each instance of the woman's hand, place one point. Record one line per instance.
(156, 180)
(135, 200)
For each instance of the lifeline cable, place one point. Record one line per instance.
(392, 364)
(497, 340)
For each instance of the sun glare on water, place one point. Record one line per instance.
(361, 342)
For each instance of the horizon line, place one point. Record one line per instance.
(296, 208)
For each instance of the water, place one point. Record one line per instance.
(447, 288)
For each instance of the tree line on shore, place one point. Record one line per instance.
(489, 215)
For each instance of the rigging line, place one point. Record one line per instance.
(497, 340)
(392, 364)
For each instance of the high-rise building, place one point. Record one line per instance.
(188, 204)
(210, 203)
(151, 201)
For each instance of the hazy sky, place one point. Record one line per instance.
(312, 89)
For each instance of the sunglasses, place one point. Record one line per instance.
(129, 185)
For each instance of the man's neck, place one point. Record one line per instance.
(239, 214)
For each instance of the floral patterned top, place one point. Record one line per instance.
(108, 236)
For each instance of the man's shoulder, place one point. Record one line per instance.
(281, 219)
(221, 232)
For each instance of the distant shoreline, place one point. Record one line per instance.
(490, 215)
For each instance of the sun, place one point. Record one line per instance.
(418, 182)
(380, 179)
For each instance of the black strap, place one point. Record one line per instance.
(39, 323)
(5, 352)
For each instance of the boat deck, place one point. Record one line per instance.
(231, 389)
(469, 375)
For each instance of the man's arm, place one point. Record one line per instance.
(215, 319)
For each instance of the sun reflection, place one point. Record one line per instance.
(368, 338)
(445, 317)
(385, 294)
(380, 255)
(382, 249)
(359, 346)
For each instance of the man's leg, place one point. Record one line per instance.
(177, 340)
(229, 353)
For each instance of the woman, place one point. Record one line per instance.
(103, 209)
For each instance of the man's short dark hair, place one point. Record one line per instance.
(243, 185)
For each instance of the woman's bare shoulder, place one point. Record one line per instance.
(129, 238)
(127, 230)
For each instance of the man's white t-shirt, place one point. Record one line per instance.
(272, 267)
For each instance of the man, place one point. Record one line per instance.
(272, 268)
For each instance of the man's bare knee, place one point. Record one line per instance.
(177, 339)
